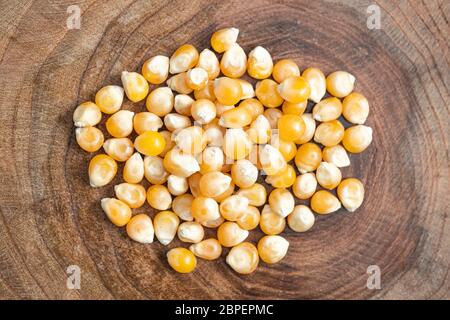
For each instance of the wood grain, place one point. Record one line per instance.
(50, 218)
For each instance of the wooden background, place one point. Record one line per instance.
(50, 217)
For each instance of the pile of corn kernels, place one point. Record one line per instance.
(203, 153)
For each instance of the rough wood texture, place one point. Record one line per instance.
(50, 217)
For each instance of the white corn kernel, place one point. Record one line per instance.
(272, 161)
(301, 219)
(175, 121)
(182, 206)
(244, 173)
(243, 258)
(281, 202)
(182, 104)
(208, 61)
(177, 185)
(120, 149)
(87, 114)
(336, 155)
(180, 163)
(191, 232)
(305, 185)
(328, 175)
(154, 170)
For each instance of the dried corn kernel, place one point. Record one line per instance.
(206, 93)
(190, 232)
(221, 108)
(117, 211)
(247, 89)
(291, 127)
(351, 193)
(294, 108)
(310, 129)
(132, 194)
(256, 194)
(236, 144)
(214, 134)
(178, 83)
(253, 106)
(317, 83)
(355, 108)
(273, 115)
(211, 159)
(102, 169)
(109, 99)
(159, 197)
(294, 89)
(196, 78)
(140, 228)
(160, 101)
(284, 179)
(270, 222)
(221, 197)
(194, 181)
(120, 149)
(208, 61)
(209, 249)
(301, 219)
(305, 186)
(243, 258)
(175, 121)
(281, 202)
(260, 64)
(135, 86)
(212, 184)
(177, 185)
(232, 207)
(234, 62)
(183, 59)
(227, 91)
(272, 161)
(181, 260)
(191, 140)
(260, 130)
(287, 148)
(357, 138)
(90, 139)
(146, 121)
(203, 111)
(154, 170)
(328, 109)
(340, 83)
(308, 157)
(284, 69)
(267, 93)
(166, 225)
(156, 69)
(230, 234)
(236, 118)
(213, 223)
(182, 206)
(324, 202)
(205, 209)
(150, 143)
(329, 133)
(87, 114)
(182, 104)
(244, 173)
(133, 171)
(272, 249)
(180, 163)
(223, 39)
(120, 124)
(249, 219)
(328, 175)
(336, 155)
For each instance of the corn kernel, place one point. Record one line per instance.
(133, 171)
(182, 104)
(232, 207)
(230, 234)
(120, 149)
(236, 144)
(211, 159)
(351, 193)
(355, 108)
(270, 222)
(212, 184)
(340, 83)
(260, 130)
(243, 258)
(206, 93)
(294, 89)
(203, 111)
(272, 249)
(328, 109)
(140, 228)
(317, 83)
(183, 59)
(336, 155)
(329, 133)
(177, 185)
(90, 139)
(132, 194)
(214, 134)
(154, 170)
(357, 138)
(221, 197)
(308, 157)
(205, 209)
(87, 114)
(305, 186)
(213, 223)
(267, 93)
(221, 108)
(234, 62)
(247, 89)
(223, 39)
(175, 121)
(120, 124)
(227, 91)
(291, 127)
(117, 211)
(190, 232)
(109, 99)
(249, 219)
(194, 181)
(253, 106)
(146, 121)
(281, 202)
(166, 225)
(196, 78)
(244, 173)
(284, 69)
(102, 169)
(135, 86)
(235, 118)
(182, 206)
(256, 194)
(191, 140)
(159, 197)
(181, 260)
(273, 115)
(328, 175)
(150, 143)
(178, 83)
(209, 249)
(301, 219)
(284, 179)
(180, 164)
(287, 148)
(294, 108)
(260, 64)
(208, 61)
(310, 129)
(272, 161)
(324, 202)
(156, 69)
(160, 101)
(167, 135)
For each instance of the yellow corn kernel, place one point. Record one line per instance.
(235, 118)
(117, 211)
(146, 121)
(310, 129)
(243, 173)
(324, 202)
(272, 249)
(183, 59)
(182, 104)
(355, 108)
(223, 39)
(87, 114)
(294, 89)
(336, 155)
(236, 144)
(308, 157)
(221, 108)
(150, 143)
(120, 124)
(208, 61)
(181, 260)
(260, 131)
(305, 185)
(203, 111)
(190, 232)
(329, 133)
(230, 234)
(272, 161)
(154, 170)
(109, 99)
(167, 135)
(212, 184)
(291, 127)
(133, 171)
(177, 185)
(249, 219)
(301, 219)
(156, 69)
(243, 258)
(285, 68)
(267, 93)
(90, 139)
(140, 228)
(191, 140)
(340, 83)
(247, 89)
(328, 175)
(256, 194)
(102, 169)
(281, 202)
(284, 179)
(357, 138)
(160, 101)
(182, 206)
(178, 83)
(135, 86)
(287, 148)
(232, 207)
(234, 62)
(270, 222)
(213, 223)
(227, 91)
(211, 159)
(260, 64)
(159, 197)
(351, 193)
(196, 78)
(205, 209)
(253, 106)
(206, 93)
(120, 149)
(130, 193)
(273, 115)
(193, 182)
(214, 133)
(209, 249)
(317, 83)
(294, 108)
(328, 109)
(166, 225)
(221, 197)
(175, 121)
